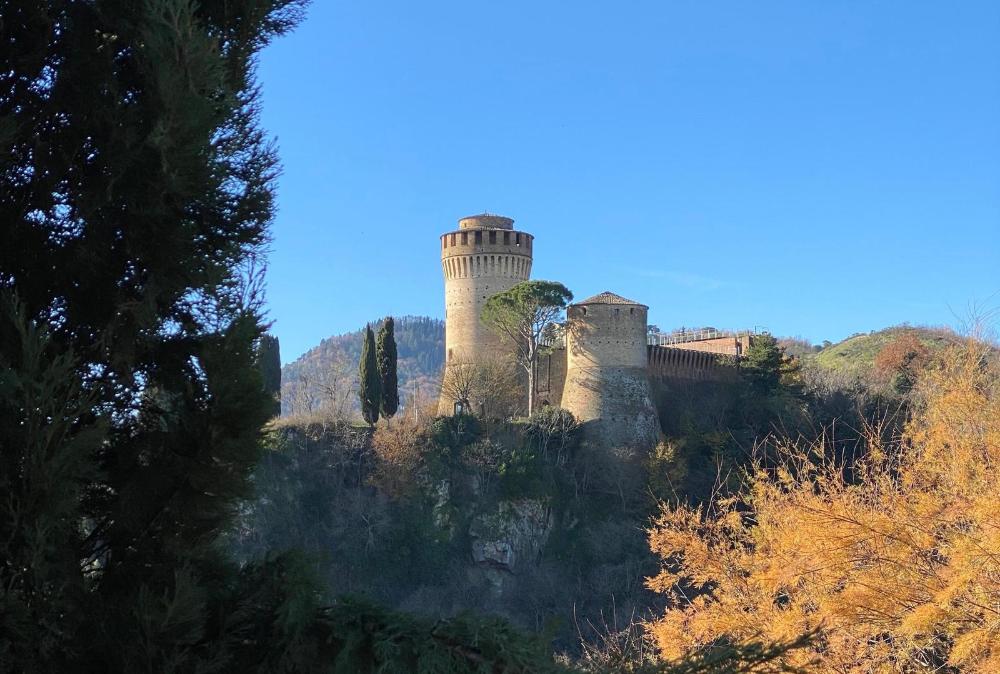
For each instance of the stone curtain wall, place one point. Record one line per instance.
(550, 377)
(673, 362)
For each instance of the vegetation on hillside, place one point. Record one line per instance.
(854, 357)
(323, 381)
(444, 515)
(893, 557)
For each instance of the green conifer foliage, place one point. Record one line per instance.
(269, 362)
(762, 364)
(385, 348)
(369, 383)
(136, 189)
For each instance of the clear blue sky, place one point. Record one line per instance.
(813, 167)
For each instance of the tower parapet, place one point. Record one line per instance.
(486, 221)
(607, 383)
(483, 257)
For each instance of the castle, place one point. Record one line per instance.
(602, 366)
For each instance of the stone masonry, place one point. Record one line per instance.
(601, 372)
(607, 384)
(484, 256)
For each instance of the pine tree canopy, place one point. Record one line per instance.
(385, 348)
(521, 315)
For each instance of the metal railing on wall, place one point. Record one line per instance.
(699, 335)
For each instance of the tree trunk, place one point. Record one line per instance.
(531, 387)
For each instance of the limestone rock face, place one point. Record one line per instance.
(494, 553)
(441, 511)
(511, 535)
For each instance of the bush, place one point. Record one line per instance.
(896, 556)
(456, 431)
(399, 448)
(554, 430)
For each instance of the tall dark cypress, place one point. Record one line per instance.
(269, 362)
(386, 357)
(369, 385)
(136, 189)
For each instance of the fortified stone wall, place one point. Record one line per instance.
(671, 362)
(602, 373)
(664, 363)
(550, 377)
(607, 384)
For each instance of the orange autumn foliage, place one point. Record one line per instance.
(901, 360)
(398, 446)
(896, 562)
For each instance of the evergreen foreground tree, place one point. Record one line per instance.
(135, 193)
(369, 383)
(269, 362)
(385, 354)
(761, 365)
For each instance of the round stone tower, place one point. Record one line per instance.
(607, 386)
(484, 256)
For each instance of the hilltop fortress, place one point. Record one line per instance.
(601, 367)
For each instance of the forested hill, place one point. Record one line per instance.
(324, 379)
(860, 354)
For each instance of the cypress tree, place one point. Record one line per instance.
(136, 187)
(369, 385)
(269, 362)
(386, 356)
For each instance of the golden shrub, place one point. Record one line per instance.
(398, 446)
(896, 561)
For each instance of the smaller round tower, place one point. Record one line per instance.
(607, 385)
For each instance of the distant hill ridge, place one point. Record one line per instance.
(855, 355)
(325, 377)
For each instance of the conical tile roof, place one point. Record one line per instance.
(608, 297)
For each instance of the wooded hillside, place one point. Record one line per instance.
(324, 379)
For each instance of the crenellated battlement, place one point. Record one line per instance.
(668, 362)
(470, 242)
